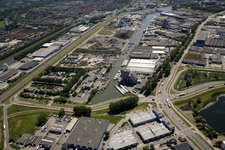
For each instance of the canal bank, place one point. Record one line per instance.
(111, 92)
(214, 114)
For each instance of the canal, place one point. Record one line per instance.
(215, 114)
(111, 92)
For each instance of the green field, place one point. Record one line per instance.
(22, 124)
(1, 136)
(1, 24)
(17, 108)
(206, 97)
(1, 111)
(112, 118)
(107, 31)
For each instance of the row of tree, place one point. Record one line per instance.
(93, 92)
(49, 80)
(82, 111)
(124, 104)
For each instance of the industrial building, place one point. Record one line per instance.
(153, 132)
(142, 65)
(208, 50)
(57, 128)
(88, 133)
(128, 77)
(47, 142)
(79, 29)
(28, 65)
(123, 140)
(45, 52)
(46, 45)
(90, 82)
(141, 117)
(194, 58)
(202, 37)
(182, 146)
(34, 140)
(23, 139)
(7, 74)
(71, 125)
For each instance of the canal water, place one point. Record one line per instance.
(215, 115)
(111, 92)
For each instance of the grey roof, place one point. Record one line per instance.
(29, 64)
(183, 146)
(7, 74)
(153, 131)
(122, 140)
(47, 141)
(46, 51)
(23, 139)
(220, 30)
(209, 50)
(34, 139)
(215, 42)
(88, 132)
(202, 36)
(57, 128)
(89, 84)
(92, 78)
(140, 117)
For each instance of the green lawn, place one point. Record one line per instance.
(17, 108)
(207, 97)
(112, 118)
(107, 31)
(22, 124)
(1, 136)
(1, 24)
(70, 105)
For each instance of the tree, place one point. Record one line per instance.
(42, 118)
(152, 146)
(146, 147)
(199, 99)
(61, 112)
(107, 133)
(82, 111)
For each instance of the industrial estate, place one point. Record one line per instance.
(112, 75)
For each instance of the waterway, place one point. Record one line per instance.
(215, 114)
(111, 92)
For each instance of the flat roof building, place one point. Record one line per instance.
(123, 140)
(141, 65)
(88, 133)
(153, 132)
(23, 139)
(47, 142)
(7, 74)
(57, 128)
(45, 52)
(28, 65)
(34, 140)
(141, 117)
(202, 37)
(71, 125)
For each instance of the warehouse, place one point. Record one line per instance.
(141, 117)
(46, 45)
(34, 140)
(7, 74)
(28, 65)
(141, 65)
(71, 125)
(38, 59)
(79, 29)
(153, 132)
(88, 85)
(123, 140)
(47, 142)
(57, 128)
(45, 52)
(23, 139)
(88, 133)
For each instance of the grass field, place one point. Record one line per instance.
(1, 24)
(207, 97)
(1, 111)
(1, 136)
(112, 118)
(22, 124)
(17, 108)
(107, 31)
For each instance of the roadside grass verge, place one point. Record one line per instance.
(20, 125)
(14, 146)
(204, 140)
(186, 117)
(193, 142)
(44, 102)
(170, 119)
(1, 111)
(1, 136)
(1, 24)
(70, 105)
(18, 108)
(182, 118)
(112, 118)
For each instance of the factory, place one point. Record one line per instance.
(47, 142)
(202, 37)
(123, 140)
(88, 133)
(7, 74)
(28, 65)
(142, 65)
(144, 116)
(153, 132)
(57, 128)
(79, 29)
(128, 77)
(90, 82)
(45, 52)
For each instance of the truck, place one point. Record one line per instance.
(182, 94)
(3, 127)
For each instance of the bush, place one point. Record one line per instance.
(42, 118)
